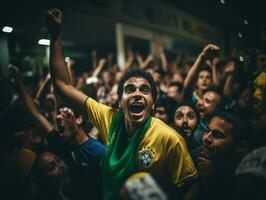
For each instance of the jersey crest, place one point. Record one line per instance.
(146, 157)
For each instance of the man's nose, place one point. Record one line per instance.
(200, 102)
(207, 139)
(185, 120)
(137, 95)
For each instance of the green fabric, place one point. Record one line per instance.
(120, 159)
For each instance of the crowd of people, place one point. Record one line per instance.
(152, 129)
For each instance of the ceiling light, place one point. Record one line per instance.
(7, 29)
(44, 42)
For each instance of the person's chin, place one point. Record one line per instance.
(188, 133)
(138, 118)
(207, 153)
(204, 87)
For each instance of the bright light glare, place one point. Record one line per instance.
(240, 35)
(241, 58)
(44, 42)
(222, 1)
(67, 59)
(245, 22)
(7, 29)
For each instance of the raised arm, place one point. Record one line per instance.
(32, 110)
(149, 58)
(162, 56)
(193, 72)
(99, 67)
(229, 80)
(58, 68)
(215, 77)
(42, 87)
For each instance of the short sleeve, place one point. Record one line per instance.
(100, 116)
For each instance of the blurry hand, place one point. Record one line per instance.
(150, 57)
(205, 168)
(102, 62)
(53, 21)
(13, 72)
(230, 67)
(209, 50)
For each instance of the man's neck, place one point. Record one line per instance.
(80, 137)
(131, 127)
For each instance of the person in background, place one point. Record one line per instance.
(185, 120)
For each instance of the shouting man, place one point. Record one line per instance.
(136, 141)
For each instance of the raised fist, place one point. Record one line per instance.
(53, 20)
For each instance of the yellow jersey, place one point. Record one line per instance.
(161, 152)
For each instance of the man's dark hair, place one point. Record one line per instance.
(220, 106)
(137, 73)
(240, 126)
(167, 103)
(187, 103)
(206, 68)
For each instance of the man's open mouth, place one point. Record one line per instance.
(60, 126)
(201, 109)
(136, 107)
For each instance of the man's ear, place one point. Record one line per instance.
(79, 120)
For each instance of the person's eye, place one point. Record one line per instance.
(178, 115)
(191, 115)
(218, 134)
(145, 89)
(208, 101)
(129, 89)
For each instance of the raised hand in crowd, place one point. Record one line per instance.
(58, 68)
(32, 110)
(53, 22)
(189, 83)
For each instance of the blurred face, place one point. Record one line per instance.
(53, 169)
(218, 140)
(157, 77)
(112, 97)
(208, 104)
(66, 123)
(174, 93)
(185, 120)
(118, 76)
(136, 101)
(160, 113)
(177, 78)
(204, 80)
(107, 78)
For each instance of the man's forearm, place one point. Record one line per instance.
(32, 109)
(192, 74)
(58, 67)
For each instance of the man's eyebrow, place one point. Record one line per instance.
(145, 85)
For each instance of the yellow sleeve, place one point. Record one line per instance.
(179, 163)
(100, 116)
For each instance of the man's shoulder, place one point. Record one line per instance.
(162, 130)
(92, 105)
